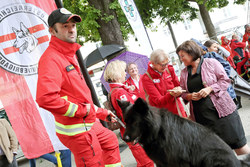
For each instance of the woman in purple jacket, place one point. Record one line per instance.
(206, 83)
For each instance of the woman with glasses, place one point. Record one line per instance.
(161, 84)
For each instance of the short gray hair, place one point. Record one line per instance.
(158, 56)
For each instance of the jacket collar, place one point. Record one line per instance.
(68, 49)
(189, 68)
(152, 72)
(119, 85)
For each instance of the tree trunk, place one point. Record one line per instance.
(110, 32)
(207, 22)
(172, 34)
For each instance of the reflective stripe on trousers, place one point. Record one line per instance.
(71, 130)
(114, 165)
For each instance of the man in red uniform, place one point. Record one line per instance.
(61, 89)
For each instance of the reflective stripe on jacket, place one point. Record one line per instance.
(61, 88)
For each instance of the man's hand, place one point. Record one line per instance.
(112, 116)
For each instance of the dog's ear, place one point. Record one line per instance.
(24, 28)
(140, 106)
(14, 30)
(123, 104)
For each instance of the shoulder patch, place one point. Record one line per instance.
(70, 68)
(123, 98)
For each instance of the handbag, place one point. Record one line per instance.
(108, 105)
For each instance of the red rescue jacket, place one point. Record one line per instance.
(237, 48)
(120, 92)
(228, 48)
(138, 92)
(246, 37)
(61, 89)
(157, 89)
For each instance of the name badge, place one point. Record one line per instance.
(156, 80)
(70, 68)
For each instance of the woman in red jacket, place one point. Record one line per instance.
(115, 75)
(161, 84)
(135, 80)
(246, 36)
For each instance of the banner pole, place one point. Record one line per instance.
(144, 28)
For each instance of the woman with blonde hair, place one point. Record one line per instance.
(161, 84)
(115, 75)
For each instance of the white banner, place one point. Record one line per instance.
(133, 16)
(24, 36)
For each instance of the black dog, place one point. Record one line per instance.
(171, 141)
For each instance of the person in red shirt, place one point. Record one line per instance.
(241, 67)
(62, 90)
(115, 75)
(161, 84)
(225, 44)
(237, 47)
(246, 36)
(135, 80)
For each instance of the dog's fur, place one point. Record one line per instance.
(172, 141)
(24, 39)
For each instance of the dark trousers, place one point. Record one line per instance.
(5, 163)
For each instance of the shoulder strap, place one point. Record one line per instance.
(168, 70)
(109, 97)
(146, 94)
(149, 76)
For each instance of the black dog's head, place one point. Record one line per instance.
(134, 116)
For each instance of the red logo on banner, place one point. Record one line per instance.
(25, 37)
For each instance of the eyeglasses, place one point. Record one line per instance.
(163, 65)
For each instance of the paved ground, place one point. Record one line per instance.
(127, 158)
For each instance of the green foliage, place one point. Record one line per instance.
(88, 29)
(165, 10)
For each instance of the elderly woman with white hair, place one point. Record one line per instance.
(134, 81)
(161, 84)
(115, 75)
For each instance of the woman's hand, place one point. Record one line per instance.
(177, 91)
(132, 87)
(205, 92)
(193, 96)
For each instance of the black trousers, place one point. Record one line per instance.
(5, 163)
